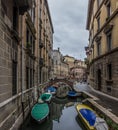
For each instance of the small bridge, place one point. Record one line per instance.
(63, 80)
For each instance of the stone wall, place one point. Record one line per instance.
(12, 110)
(109, 88)
(5, 62)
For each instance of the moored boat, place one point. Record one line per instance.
(90, 118)
(51, 89)
(40, 112)
(45, 97)
(73, 94)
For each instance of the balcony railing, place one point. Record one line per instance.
(23, 5)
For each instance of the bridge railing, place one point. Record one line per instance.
(42, 87)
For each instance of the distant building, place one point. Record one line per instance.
(79, 63)
(70, 60)
(78, 73)
(57, 56)
(64, 69)
(77, 68)
(61, 68)
(102, 51)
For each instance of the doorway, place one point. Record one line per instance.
(99, 79)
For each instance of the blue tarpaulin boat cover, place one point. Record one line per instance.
(72, 93)
(51, 89)
(89, 115)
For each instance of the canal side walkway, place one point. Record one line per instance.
(108, 102)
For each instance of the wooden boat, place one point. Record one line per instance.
(90, 118)
(73, 94)
(45, 97)
(40, 112)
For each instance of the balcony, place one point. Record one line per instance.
(23, 5)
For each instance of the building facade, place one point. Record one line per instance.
(26, 38)
(70, 60)
(61, 68)
(14, 98)
(102, 51)
(77, 68)
(64, 69)
(57, 58)
(45, 39)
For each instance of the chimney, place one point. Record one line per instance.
(58, 49)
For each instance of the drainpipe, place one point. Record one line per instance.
(40, 68)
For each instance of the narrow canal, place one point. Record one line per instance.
(63, 116)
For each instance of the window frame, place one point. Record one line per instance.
(14, 77)
(99, 48)
(109, 41)
(109, 71)
(98, 22)
(108, 6)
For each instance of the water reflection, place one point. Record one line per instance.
(63, 116)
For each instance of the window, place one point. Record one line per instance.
(93, 71)
(99, 48)
(15, 18)
(99, 2)
(30, 12)
(33, 46)
(108, 10)
(31, 42)
(109, 42)
(109, 71)
(31, 78)
(41, 1)
(27, 40)
(92, 31)
(98, 22)
(14, 77)
(90, 38)
(33, 15)
(27, 77)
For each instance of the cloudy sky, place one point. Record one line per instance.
(69, 21)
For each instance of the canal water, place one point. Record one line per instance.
(63, 116)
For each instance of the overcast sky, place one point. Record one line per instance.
(69, 22)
